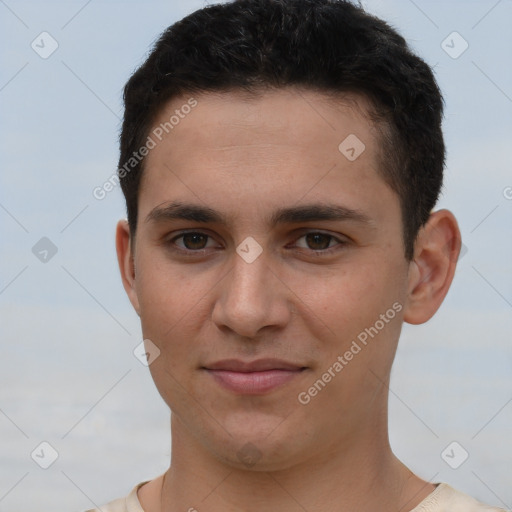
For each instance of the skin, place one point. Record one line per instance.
(245, 157)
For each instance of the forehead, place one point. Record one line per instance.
(273, 147)
(286, 116)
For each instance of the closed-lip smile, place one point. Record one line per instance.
(253, 377)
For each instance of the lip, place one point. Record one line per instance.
(255, 377)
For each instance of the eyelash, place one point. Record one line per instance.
(193, 253)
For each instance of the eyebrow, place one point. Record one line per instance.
(291, 215)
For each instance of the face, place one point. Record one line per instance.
(270, 274)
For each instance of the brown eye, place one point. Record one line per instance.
(318, 241)
(192, 241)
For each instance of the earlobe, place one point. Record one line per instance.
(431, 272)
(126, 262)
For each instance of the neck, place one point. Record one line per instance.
(363, 475)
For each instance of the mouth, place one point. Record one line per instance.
(253, 378)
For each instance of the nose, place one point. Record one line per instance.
(252, 297)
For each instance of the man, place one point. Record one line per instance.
(280, 161)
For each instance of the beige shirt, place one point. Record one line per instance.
(443, 499)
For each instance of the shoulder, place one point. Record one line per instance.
(129, 503)
(448, 499)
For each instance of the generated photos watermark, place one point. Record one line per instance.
(305, 397)
(156, 136)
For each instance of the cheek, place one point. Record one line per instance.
(361, 306)
(353, 295)
(172, 315)
(166, 293)
(169, 308)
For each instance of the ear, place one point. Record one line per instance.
(431, 272)
(125, 258)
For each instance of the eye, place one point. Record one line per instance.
(196, 242)
(320, 242)
(193, 241)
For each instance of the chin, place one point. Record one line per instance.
(260, 444)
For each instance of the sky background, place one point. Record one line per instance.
(68, 373)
